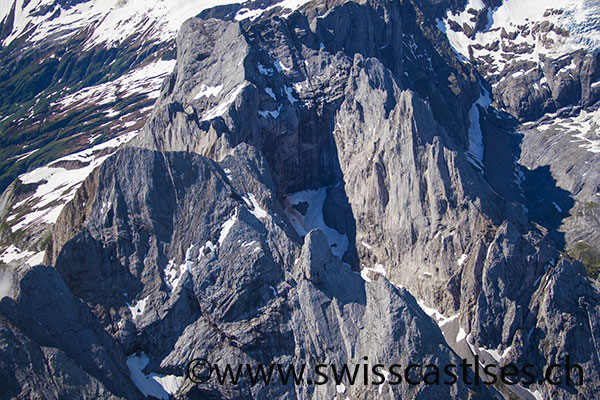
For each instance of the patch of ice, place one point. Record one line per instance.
(368, 246)
(462, 260)
(265, 70)
(274, 292)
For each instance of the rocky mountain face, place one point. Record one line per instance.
(402, 181)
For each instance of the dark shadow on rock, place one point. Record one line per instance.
(93, 273)
(546, 203)
(47, 312)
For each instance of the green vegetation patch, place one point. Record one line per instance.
(589, 256)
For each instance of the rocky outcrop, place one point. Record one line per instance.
(53, 346)
(239, 287)
(528, 92)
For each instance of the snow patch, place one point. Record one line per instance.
(291, 5)
(138, 308)
(6, 286)
(580, 18)
(59, 184)
(221, 108)
(13, 253)
(257, 211)
(290, 94)
(476, 147)
(37, 259)
(144, 80)
(159, 386)
(226, 227)
(461, 335)
(495, 353)
(557, 207)
(271, 114)
(270, 92)
(313, 218)
(439, 318)
(110, 21)
(208, 91)
(536, 393)
(379, 269)
(207, 248)
(265, 70)
(280, 67)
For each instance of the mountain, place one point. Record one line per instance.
(72, 64)
(379, 182)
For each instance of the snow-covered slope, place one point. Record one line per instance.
(112, 21)
(522, 30)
